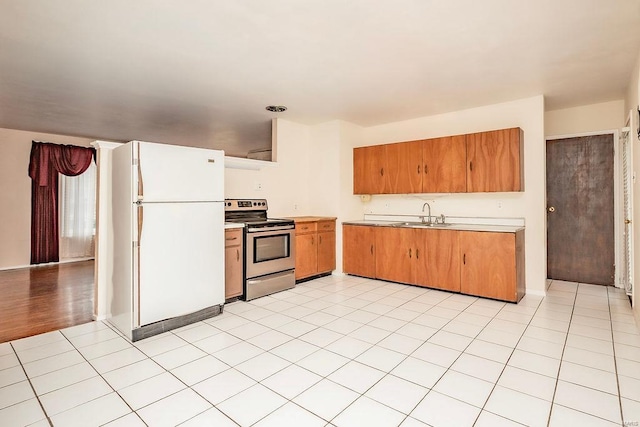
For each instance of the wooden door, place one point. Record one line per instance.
(326, 251)
(488, 264)
(495, 161)
(438, 263)
(306, 255)
(358, 250)
(445, 165)
(368, 170)
(403, 168)
(395, 253)
(580, 216)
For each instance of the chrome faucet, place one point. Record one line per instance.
(429, 206)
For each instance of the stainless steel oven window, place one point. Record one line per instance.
(269, 248)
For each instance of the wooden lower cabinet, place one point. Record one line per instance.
(486, 264)
(358, 250)
(315, 246)
(492, 265)
(234, 268)
(395, 254)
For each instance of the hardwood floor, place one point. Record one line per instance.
(43, 299)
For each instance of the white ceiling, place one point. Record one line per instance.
(200, 72)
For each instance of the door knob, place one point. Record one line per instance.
(627, 221)
(551, 208)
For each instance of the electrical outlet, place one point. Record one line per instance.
(386, 204)
(499, 205)
(295, 207)
(258, 186)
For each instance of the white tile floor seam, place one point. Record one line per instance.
(395, 354)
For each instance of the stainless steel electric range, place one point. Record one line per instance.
(269, 247)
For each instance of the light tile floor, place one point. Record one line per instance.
(344, 351)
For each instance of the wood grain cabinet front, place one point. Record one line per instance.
(489, 161)
(315, 246)
(495, 161)
(358, 250)
(492, 265)
(234, 263)
(486, 264)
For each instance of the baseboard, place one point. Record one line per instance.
(48, 264)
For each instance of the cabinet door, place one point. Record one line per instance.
(358, 250)
(445, 165)
(438, 263)
(306, 255)
(395, 254)
(233, 271)
(488, 265)
(369, 170)
(494, 161)
(326, 251)
(234, 263)
(403, 173)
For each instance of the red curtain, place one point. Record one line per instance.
(47, 160)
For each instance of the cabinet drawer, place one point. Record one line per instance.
(326, 226)
(232, 237)
(306, 227)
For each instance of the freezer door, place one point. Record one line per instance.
(181, 259)
(170, 173)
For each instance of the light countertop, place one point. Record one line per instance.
(232, 225)
(299, 219)
(451, 226)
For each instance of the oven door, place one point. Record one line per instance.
(270, 251)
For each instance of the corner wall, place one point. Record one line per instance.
(15, 192)
(587, 118)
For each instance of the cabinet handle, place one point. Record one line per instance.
(371, 249)
(237, 255)
(417, 253)
(418, 168)
(409, 252)
(228, 239)
(319, 240)
(464, 259)
(312, 240)
(471, 165)
(426, 169)
(381, 171)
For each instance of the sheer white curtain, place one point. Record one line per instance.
(78, 214)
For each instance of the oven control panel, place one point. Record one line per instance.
(245, 204)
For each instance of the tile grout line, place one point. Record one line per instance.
(46, 415)
(564, 346)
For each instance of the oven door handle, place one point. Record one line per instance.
(266, 229)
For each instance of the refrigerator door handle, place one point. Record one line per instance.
(137, 269)
(140, 183)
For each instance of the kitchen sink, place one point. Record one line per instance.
(418, 224)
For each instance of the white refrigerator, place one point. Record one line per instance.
(168, 237)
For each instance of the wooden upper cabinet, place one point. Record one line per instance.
(444, 165)
(403, 167)
(358, 250)
(481, 162)
(495, 161)
(368, 170)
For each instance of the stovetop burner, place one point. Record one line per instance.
(251, 212)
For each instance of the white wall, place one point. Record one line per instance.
(631, 103)
(15, 192)
(285, 183)
(527, 114)
(586, 118)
